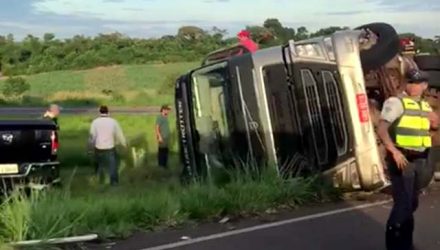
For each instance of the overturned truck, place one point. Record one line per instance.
(300, 108)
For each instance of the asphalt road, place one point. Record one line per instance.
(349, 225)
(79, 110)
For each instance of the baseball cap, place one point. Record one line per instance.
(415, 76)
(244, 33)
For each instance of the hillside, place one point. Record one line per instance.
(129, 85)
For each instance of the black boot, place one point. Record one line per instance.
(392, 238)
(408, 232)
(396, 237)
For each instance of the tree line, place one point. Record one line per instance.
(34, 55)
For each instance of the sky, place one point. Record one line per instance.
(155, 18)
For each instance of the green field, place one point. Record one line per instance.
(129, 85)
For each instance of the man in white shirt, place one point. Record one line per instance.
(105, 134)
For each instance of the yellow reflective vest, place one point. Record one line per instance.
(412, 129)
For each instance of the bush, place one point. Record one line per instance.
(15, 86)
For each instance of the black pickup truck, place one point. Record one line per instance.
(28, 154)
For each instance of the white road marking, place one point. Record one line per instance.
(264, 226)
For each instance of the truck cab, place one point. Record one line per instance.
(299, 108)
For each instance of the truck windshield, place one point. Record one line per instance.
(208, 90)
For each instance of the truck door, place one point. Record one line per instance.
(247, 138)
(291, 152)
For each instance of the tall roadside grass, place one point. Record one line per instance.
(119, 212)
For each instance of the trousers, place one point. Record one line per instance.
(406, 186)
(162, 156)
(107, 159)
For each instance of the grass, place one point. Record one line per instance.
(116, 213)
(116, 85)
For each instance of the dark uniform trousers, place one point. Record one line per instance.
(406, 186)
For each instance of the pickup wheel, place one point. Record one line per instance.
(386, 48)
(428, 62)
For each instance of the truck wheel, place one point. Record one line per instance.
(434, 79)
(434, 161)
(387, 46)
(434, 76)
(428, 62)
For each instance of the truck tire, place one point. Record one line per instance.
(434, 76)
(434, 79)
(387, 47)
(428, 62)
(434, 161)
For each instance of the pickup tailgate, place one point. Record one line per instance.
(25, 142)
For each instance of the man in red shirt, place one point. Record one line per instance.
(244, 37)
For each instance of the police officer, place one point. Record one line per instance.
(404, 129)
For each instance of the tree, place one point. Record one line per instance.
(437, 43)
(281, 33)
(275, 27)
(34, 54)
(218, 34)
(261, 35)
(47, 37)
(15, 86)
(302, 33)
(190, 33)
(327, 31)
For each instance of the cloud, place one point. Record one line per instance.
(346, 13)
(153, 18)
(409, 5)
(216, 1)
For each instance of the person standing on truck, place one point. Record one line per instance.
(162, 130)
(404, 129)
(52, 113)
(105, 134)
(244, 38)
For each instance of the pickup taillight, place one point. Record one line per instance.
(54, 143)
